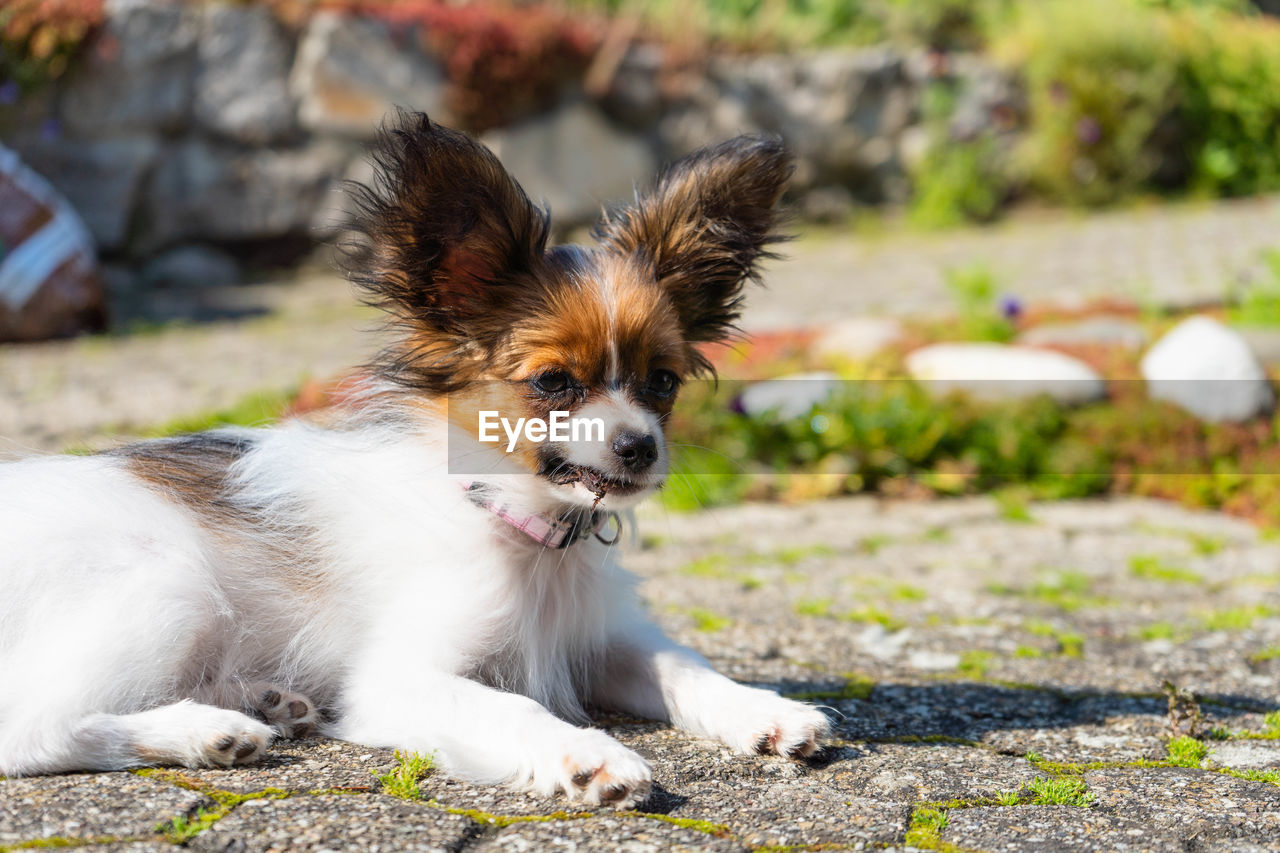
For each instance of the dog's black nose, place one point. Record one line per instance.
(637, 451)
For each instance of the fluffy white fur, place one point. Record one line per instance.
(135, 629)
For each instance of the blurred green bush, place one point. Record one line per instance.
(1125, 98)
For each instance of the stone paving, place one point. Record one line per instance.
(995, 685)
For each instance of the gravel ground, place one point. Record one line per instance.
(971, 663)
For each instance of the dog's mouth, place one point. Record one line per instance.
(594, 481)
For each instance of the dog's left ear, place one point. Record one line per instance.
(704, 228)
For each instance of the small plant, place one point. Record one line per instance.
(974, 663)
(1271, 653)
(1259, 304)
(1013, 506)
(1059, 792)
(1271, 724)
(708, 621)
(1235, 618)
(1151, 567)
(1157, 631)
(1186, 751)
(1070, 645)
(710, 566)
(402, 780)
(1204, 544)
(814, 607)
(927, 824)
(868, 613)
(977, 297)
(1184, 710)
(856, 686)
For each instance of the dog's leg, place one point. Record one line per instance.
(185, 733)
(647, 674)
(488, 736)
(292, 715)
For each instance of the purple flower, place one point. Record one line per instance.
(50, 130)
(1088, 130)
(9, 92)
(1010, 307)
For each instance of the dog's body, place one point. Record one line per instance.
(153, 597)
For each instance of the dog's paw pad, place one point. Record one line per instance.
(292, 714)
(772, 725)
(237, 745)
(602, 771)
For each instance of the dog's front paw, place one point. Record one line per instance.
(767, 723)
(595, 769)
(232, 739)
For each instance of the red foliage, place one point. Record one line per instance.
(37, 37)
(504, 59)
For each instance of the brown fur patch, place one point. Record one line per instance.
(193, 469)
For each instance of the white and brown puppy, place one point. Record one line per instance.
(159, 600)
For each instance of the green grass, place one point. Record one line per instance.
(257, 409)
(1270, 653)
(1012, 504)
(975, 663)
(818, 607)
(856, 686)
(871, 613)
(710, 566)
(1065, 590)
(1235, 618)
(926, 828)
(708, 621)
(1206, 545)
(1187, 752)
(872, 545)
(1058, 792)
(402, 780)
(1158, 631)
(907, 592)
(1152, 567)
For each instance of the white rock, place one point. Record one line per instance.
(241, 86)
(574, 160)
(857, 338)
(349, 73)
(1209, 370)
(1002, 372)
(203, 191)
(787, 397)
(137, 74)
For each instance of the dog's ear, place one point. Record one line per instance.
(704, 228)
(445, 237)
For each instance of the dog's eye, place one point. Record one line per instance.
(552, 382)
(662, 383)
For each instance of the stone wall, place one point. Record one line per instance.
(212, 126)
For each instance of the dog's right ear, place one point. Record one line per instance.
(704, 228)
(445, 239)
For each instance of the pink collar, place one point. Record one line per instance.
(554, 533)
